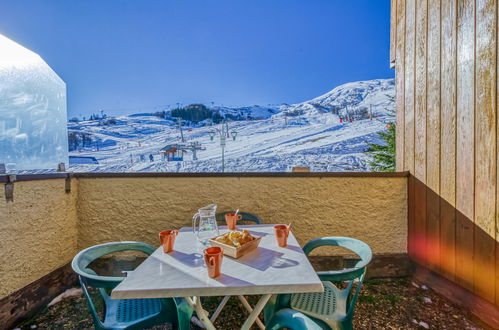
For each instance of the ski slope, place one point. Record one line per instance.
(316, 138)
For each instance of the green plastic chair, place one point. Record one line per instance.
(126, 313)
(331, 309)
(245, 217)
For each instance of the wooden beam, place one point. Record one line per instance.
(393, 32)
(433, 135)
(411, 230)
(448, 138)
(410, 40)
(399, 85)
(497, 160)
(420, 89)
(485, 153)
(433, 97)
(465, 153)
(420, 230)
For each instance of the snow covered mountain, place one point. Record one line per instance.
(376, 95)
(328, 133)
(250, 112)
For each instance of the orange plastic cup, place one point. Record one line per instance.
(213, 258)
(231, 219)
(281, 234)
(167, 239)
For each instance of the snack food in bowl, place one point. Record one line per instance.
(236, 243)
(235, 238)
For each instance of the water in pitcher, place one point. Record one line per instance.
(207, 227)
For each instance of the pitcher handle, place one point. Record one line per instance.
(194, 218)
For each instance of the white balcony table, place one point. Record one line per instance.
(268, 270)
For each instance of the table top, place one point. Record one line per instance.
(182, 273)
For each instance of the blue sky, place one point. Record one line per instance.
(128, 56)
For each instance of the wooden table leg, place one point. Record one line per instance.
(200, 312)
(256, 311)
(250, 309)
(252, 317)
(219, 308)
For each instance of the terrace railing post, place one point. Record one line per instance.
(9, 188)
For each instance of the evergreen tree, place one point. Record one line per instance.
(161, 114)
(73, 140)
(217, 117)
(384, 154)
(193, 112)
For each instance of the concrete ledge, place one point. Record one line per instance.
(242, 175)
(4, 178)
(26, 302)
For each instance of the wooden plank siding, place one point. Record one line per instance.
(420, 60)
(485, 148)
(446, 55)
(400, 84)
(497, 160)
(433, 135)
(393, 32)
(448, 139)
(433, 97)
(420, 89)
(410, 40)
(465, 153)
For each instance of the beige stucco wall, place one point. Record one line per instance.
(37, 232)
(45, 227)
(373, 209)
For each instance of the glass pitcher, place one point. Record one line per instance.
(207, 227)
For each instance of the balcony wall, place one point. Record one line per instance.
(373, 209)
(38, 232)
(45, 226)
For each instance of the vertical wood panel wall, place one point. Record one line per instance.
(445, 54)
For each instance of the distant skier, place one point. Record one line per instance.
(151, 158)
